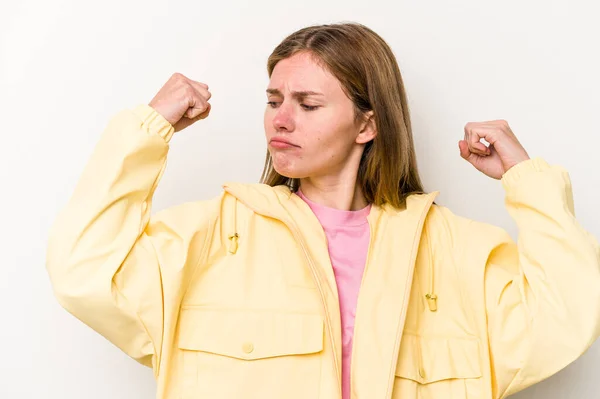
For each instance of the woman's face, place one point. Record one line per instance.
(309, 121)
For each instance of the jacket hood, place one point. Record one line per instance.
(278, 202)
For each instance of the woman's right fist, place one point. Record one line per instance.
(182, 101)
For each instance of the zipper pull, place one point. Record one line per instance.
(432, 302)
(233, 245)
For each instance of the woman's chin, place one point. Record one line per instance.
(289, 172)
(284, 166)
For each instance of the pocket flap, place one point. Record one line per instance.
(250, 335)
(429, 359)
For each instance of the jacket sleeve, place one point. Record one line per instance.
(110, 264)
(542, 292)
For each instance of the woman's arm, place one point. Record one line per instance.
(543, 292)
(111, 264)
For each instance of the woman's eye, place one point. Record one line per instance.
(275, 104)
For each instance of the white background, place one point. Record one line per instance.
(67, 66)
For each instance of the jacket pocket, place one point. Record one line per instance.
(437, 367)
(249, 354)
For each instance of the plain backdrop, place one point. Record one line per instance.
(68, 66)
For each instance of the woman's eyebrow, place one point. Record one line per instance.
(296, 94)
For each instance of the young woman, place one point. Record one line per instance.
(337, 276)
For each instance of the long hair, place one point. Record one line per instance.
(369, 74)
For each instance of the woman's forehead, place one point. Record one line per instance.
(300, 73)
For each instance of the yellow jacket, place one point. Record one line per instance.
(235, 297)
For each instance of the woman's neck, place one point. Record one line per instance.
(337, 194)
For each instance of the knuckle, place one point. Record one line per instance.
(502, 124)
(188, 91)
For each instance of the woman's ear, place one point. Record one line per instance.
(368, 129)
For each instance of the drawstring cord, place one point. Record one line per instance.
(233, 239)
(431, 296)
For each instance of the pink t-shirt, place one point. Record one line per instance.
(348, 236)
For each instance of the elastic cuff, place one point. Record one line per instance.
(514, 174)
(154, 122)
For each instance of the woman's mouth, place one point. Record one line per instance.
(280, 143)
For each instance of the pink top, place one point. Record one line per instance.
(348, 237)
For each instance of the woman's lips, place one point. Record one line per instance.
(281, 144)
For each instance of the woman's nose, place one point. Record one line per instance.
(284, 118)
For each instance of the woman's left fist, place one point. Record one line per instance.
(504, 150)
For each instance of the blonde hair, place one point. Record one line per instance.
(369, 74)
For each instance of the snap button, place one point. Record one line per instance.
(248, 347)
